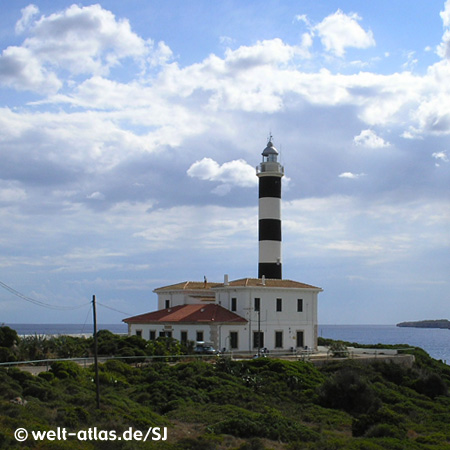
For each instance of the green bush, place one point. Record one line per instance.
(8, 337)
(381, 430)
(348, 391)
(48, 376)
(66, 369)
(431, 385)
(271, 425)
(7, 355)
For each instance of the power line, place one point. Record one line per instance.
(38, 302)
(113, 309)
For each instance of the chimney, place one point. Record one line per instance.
(263, 280)
(225, 280)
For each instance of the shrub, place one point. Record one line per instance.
(271, 425)
(381, 430)
(38, 388)
(7, 355)
(252, 444)
(431, 385)
(66, 369)
(338, 349)
(8, 337)
(348, 391)
(48, 376)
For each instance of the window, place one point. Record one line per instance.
(165, 334)
(199, 336)
(152, 335)
(168, 334)
(279, 304)
(299, 305)
(258, 339)
(139, 333)
(184, 335)
(167, 303)
(257, 304)
(278, 339)
(300, 342)
(234, 304)
(162, 333)
(234, 340)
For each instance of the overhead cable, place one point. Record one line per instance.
(38, 302)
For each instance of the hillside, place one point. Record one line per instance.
(222, 404)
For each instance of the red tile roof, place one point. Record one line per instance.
(188, 314)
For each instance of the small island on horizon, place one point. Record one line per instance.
(439, 323)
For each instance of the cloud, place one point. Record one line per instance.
(83, 40)
(443, 50)
(445, 15)
(22, 70)
(11, 192)
(96, 196)
(340, 31)
(350, 175)
(368, 138)
(27, 15)
(232, 173)
(440, 157)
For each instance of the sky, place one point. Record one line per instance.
(130, 132)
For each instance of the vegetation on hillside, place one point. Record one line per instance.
(38, 348)
(220, 404)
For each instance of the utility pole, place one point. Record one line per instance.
(259, 331)
(95, 352)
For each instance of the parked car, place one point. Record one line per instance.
(203, 348)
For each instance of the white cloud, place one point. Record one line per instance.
(350, 175)
(83, 40)
(27, 15)
(339, 31)
(96, 196)
(368, 138)
(232, 173)
(22, 70)
(445, 15)
(11, 192)
(440, 157)
(443, 50)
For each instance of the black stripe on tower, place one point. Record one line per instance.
(269, 270)
(269, 230)
(270, 187)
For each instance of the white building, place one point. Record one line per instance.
(246, 314)
(233, 315)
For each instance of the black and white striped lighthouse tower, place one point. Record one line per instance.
(269, 172)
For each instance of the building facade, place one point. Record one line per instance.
(244, 315)
(248, 314)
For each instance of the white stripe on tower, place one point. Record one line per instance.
(269, 172)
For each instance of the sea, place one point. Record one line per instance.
(435, 341)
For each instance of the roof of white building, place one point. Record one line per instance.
(188, 285)
(268, 282)
(243, 282)
(188, 314)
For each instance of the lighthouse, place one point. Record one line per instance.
(269, 172)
